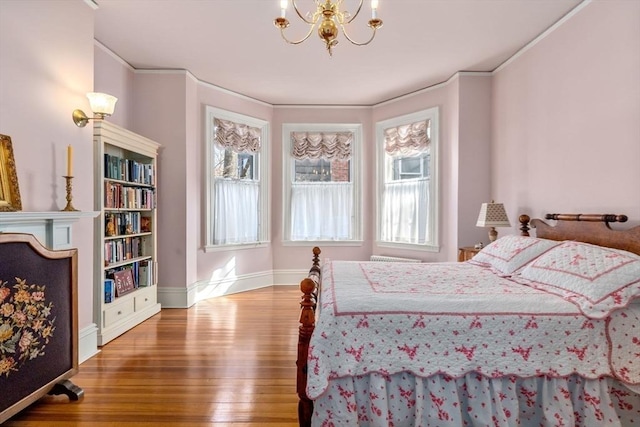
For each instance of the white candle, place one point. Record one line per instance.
(374, 9)
(283, 8)
(69, 160)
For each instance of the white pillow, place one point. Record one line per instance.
(509, 253)
(597, 279)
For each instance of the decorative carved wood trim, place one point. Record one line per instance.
(589, 228)
(310, 288)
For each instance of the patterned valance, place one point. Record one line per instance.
(321, 145)
(237, 137)
(407, 139)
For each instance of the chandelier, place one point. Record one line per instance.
(328, 17)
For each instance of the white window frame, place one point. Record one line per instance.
(431, 114)
(264, 172)
(289, 173)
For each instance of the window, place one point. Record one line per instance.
(237, 180)
(322, 191)
(407, 182)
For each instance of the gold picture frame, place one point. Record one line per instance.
(9, 190)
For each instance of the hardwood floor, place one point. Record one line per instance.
(227, 361)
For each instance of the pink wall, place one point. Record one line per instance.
(160, 113)
(46, 68)
(566, 118)
(114, 76)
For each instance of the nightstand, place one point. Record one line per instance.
(466, 253)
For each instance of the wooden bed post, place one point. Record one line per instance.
(524, 224)
(309, 288)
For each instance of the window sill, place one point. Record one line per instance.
(322, 243)
(236, 247)
(409, 246)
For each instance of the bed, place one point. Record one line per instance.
(537, 330)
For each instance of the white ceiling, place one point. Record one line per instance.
(234, 44)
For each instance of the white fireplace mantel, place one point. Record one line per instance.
(52, 229)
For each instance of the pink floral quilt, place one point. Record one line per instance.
(455, 319)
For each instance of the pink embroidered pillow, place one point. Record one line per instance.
(510, 253)
(597, 279)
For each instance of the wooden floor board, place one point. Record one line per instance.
(227, 361)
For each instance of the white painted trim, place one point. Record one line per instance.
(324, 243)
(87, 342)
(185, 297)
(177, 296)
(232, 93)
(417, 92)
(290, 277)
(542, 35)
(92, 4)
(324, 107)
(114, 55)
(236, 247)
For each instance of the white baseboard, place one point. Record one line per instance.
(181, 297)
(289, 277)
(177, 296)
(87, 342)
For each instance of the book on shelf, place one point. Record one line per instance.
(144, 274)
(124, 281)
(109, 290)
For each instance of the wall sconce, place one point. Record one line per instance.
(102, 106)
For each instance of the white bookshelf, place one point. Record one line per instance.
(125, 196)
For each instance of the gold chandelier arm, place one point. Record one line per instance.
(295, 7)
(346, 35)
(311, 26)
(355, 14)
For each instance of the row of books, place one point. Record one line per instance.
(128, 170)
(117, 250)
(118, 196)
(123, 280)
(121, 223)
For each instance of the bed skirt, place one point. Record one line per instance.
(405, 400)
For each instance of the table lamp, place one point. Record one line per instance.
(492, 215)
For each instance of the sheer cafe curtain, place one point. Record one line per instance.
(404, 215)
(321, 211)
(234, 225)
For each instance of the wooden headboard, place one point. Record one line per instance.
(588, 228)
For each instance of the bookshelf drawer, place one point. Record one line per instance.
(117, 313)
(144, 298)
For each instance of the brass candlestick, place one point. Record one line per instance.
(69, 206)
